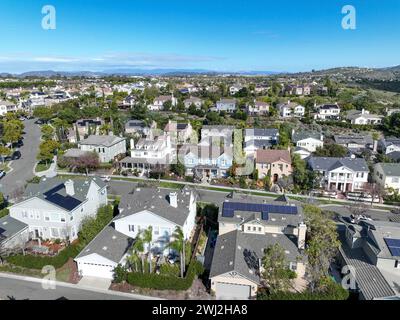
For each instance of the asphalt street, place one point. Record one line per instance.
(123, 188)
(14, 289)
(23, 167)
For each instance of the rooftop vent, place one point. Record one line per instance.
(105, 248)
(114, 237)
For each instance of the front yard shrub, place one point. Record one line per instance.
(38, 262)
(166, 282)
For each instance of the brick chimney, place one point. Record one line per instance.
(173, 199)
(301, 235)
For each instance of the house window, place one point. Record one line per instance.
(24, 214)
(293, 266)
(254, 228)
(55, 232)
(156, 231)
(62, 219)
(259, 229)
(395, 180)
(397, 264)
(248, 228)
(131, 228)
(47, 218)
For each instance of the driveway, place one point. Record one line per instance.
(23, 167)
(94, 282)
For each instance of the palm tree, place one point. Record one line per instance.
(179, 245)
(136, 250)
(148, 238)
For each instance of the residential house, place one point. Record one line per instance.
(13, 234)
(7, 107)
(207, 162)
(354, 142)
(197, 102)
(291, 109)
(388, 145)
(392, 111)
(363, 117)
(248, 226)
(149, 153)
(129, 102)
(255, 139)
(226, 105)
(160, 209)
(298, 90)
(86, 127)
(327, 112)
(158, 103)
(181, 132)
(234, 89)
(55, 208)
(372, 249)
(387, 175)
(258, 108)
(139, 127)
(340, 174)
(108, 147)
(275, 163)
(309, 140)
(217, 135)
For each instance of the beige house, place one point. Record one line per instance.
(276, 162)
(246, 228)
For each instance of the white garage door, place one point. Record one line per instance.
(232, 291)
(92, 270)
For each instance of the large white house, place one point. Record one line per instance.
(341, 174)
(158, 103)
(54, 208)
(291, 109)
(364, 117)
(227, 105)
(308, 140)
(387, 175)
(108, 147)
(327, 112)
(6, 107)
(160, 209)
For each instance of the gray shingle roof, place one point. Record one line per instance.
(109, 243)
(301, 135)
(369, 279)
(106, 141)
(262, 132)
(240, 252)
(10, 226)
(53, 190)
(391, 169)
(156, 200)
(330, 163)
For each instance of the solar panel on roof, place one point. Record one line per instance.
(392, 242)
(395, 252)
(255, 207)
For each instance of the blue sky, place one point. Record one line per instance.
(221, 35)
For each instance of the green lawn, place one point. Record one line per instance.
(40, 167)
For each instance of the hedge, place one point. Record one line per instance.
(334, 291)
(38, 262)
(164, 282)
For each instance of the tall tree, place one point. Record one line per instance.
(322, 245)
(148, 239)
(277, 273)
(178, 245)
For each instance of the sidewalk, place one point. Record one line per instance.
(50, 173)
